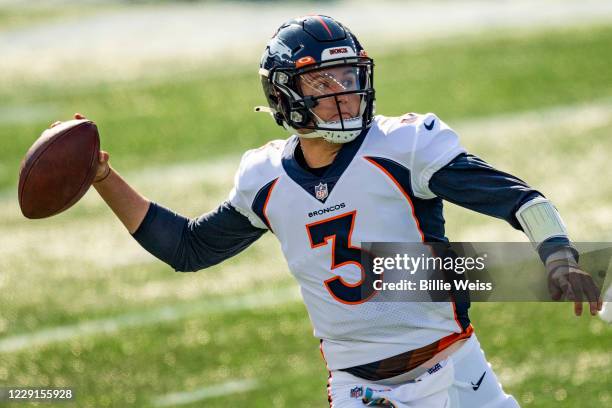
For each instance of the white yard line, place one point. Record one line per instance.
(15, 241)
(136, 41)
(81, 237)
(580, 118)
(24, 114)
(44, 337)
(218, 173)
(213, 391)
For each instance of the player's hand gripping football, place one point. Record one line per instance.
(127, 204)
(567, 281)
(104, 168)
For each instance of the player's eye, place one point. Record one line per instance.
(320, 85)
(348, 83)
(324, 84)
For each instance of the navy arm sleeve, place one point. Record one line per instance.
(470, 182)
(192, 244)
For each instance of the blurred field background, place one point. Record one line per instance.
(172, 87)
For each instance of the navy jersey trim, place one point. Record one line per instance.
(427, 213)
(461, 312)
(260, 202)
(307, 180)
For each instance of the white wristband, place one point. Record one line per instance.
(540, 220)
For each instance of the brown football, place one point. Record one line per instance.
(59, 168)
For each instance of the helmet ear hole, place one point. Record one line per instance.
(299, 118)
(285, 112)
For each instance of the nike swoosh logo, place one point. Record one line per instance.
(430, 126)
(476, 386)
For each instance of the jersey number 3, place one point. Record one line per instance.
(338, 230)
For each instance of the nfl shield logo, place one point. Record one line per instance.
(356, 392)
(321, 191)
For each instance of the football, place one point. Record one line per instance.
(59, 168)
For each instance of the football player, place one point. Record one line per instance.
(346, 176)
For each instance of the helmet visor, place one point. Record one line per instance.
(337, 95)
(325, 81)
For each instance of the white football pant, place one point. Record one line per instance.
(463, 380)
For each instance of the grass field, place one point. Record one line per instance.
(83, 306)
(18, 16)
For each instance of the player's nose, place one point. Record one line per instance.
(342, 98)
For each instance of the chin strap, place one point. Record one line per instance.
(334, 133)
(331, 135)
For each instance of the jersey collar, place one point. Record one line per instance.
(306, 179)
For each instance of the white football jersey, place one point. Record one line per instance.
(376, 190)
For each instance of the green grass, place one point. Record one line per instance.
(81, 265)
(543, 355)
(199, 113)
(26, 15)
(191, 354)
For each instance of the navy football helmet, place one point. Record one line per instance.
(318, 80)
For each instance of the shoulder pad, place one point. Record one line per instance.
(420, 142)
(409, 132)
(427, 122)
(259, 166)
